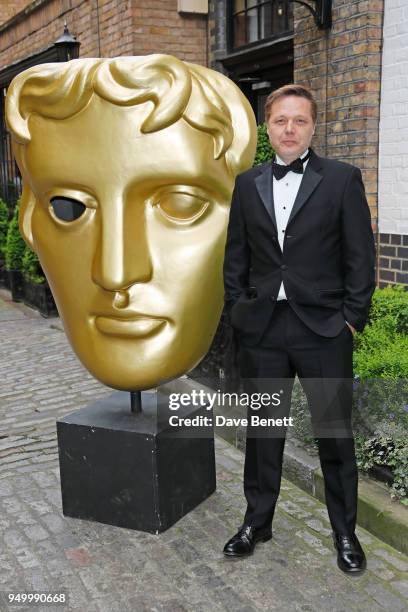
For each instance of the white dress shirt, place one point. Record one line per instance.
(284, 195)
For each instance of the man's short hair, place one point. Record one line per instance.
(290, 90)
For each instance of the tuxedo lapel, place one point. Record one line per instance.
(311, 179)
(264, 185)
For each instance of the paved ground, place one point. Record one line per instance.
(109, 569)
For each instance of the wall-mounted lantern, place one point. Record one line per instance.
(67, 46)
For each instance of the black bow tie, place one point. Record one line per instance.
(279, 171)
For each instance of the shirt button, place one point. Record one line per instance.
(284, 267)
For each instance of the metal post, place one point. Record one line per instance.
(136, 401)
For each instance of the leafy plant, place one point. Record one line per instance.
(264, 151)
(390, 306)
(381, 350)
(4, 218)
(31, 267)
(380, 391)
(15, 245)
(386, 450)
(299, 410)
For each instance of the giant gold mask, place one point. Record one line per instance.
(128, 166)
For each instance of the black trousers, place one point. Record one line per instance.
(325, 369)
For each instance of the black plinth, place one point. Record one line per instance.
(133, 470)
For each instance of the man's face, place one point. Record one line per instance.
(290, 127)
(137, 273)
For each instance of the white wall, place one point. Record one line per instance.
(393, 146)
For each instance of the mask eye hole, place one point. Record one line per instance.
(67, 209)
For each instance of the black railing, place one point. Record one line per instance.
(10, 177)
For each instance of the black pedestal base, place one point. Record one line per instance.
(131, 470)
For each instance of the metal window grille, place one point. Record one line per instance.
(252, 21)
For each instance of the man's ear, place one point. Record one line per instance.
(27, 204)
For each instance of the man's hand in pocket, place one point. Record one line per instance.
(352, 329)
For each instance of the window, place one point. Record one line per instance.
(255, 20)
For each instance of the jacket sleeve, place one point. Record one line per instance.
(237, 253)
(358, 252)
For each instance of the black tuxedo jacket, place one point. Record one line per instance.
(328, 258)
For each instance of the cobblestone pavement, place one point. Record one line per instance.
(109, 569)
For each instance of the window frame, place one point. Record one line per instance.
(260, 3)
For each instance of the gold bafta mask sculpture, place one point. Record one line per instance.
(128, 167)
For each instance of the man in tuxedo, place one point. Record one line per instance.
(299, 276)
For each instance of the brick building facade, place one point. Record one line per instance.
(343, 68)
(9, 8)
(259, 50)
(105, 28)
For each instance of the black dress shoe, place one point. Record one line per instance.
(350, 555)
(243, 543)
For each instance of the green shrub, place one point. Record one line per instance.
(31, 267)
(380, 356)
(390, 306)
(299, 410)
(380, 397)
(3, 227)
(381, 350)
(381, 365)
(264, 151)
(15, 245)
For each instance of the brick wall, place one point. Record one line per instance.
(393, 262)
(108, 28)
(45, 23)
(9, 8)
(115, 28)
(158, 28)
(393, 147)
(343, 68)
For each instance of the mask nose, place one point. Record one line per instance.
(122, 256)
